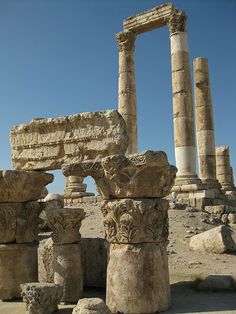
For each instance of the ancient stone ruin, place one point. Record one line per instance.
(134, 191)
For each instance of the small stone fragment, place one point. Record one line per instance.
(91, 306)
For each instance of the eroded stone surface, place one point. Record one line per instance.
(22, 186)
(47, 143)
(146, 174)
(91, 306)
(18, 264)
(41, 298)
(65, 224)
(217, 240)
(19, 222)
(136, 221)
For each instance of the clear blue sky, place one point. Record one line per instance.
(59, 57)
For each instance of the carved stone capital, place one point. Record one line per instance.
(177, 22)
(146, 174)
(41, 298)
(65, 224)
(19, 222)
(136, 221)
(125, 40)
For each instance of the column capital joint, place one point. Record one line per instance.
(125, 40)
(177, 22)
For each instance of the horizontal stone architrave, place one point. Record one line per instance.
(44, 144)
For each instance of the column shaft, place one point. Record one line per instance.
(127, 87)
(223, 169)
(185, 150)
(204, 121)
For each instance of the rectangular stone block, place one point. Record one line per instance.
(44, 144)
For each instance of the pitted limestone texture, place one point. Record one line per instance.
(65, 224)
(136, 220)
(44, 144)
(19, 222)
(146, 174)
(21, 186)
(41, 298)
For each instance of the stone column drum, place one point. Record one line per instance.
(204, 122)
(67, 257)
(127, 87)
(223, 168)
(75, 189)
(136, 222)
(185, 150)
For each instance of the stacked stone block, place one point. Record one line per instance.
(19, 227)
(136, 223)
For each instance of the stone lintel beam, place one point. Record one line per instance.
(146, 174)
(150, 19)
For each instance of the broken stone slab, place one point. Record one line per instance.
(91, 306)
(21, 186)
(19, 222)
(44, 144)
(41, 298)
(146, 174)
(18, 264)
(65, 224)
(136, 220)
(216, 283)
(217, 240)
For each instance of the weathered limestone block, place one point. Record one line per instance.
(19, 222)
(65, 224)
(21, 186)
(44, 144)
(136, 220)
(94, 262)
(138, 278)
(150, 19)
(217, 240)
(146, 174)
(91, 306)
(18, 264)
(41, 298)
(68, 271)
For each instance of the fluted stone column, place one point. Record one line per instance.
(185, 150)
(223, 169)
(204, 122)
(127, 87)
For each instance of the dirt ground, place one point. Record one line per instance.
(185, 266)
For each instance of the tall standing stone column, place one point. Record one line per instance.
(185, 150)
(136, 222)
(224, 171)
(127, 87)
(204, 122)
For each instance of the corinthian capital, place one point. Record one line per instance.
(177, 22)
(125, 40)
(136, 220)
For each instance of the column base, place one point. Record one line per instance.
(187, 184)
(18, 265)
(138, 278)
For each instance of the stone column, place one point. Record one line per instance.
(67, 257)
(185, 151)
(75, 189)
(136, 221)
(127, 87)
(137, 272)
(204, 122)
(223, 168)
